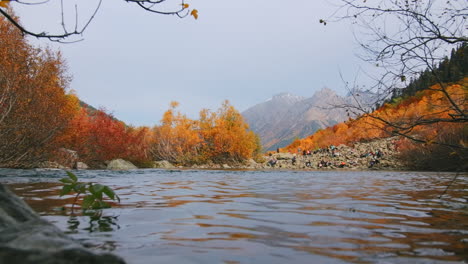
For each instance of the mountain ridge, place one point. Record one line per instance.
(285, 116)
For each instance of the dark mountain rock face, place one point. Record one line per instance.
(284, 117)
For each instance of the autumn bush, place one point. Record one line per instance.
(220, 137)
(177, 139)
(98, 137)
(437, 157)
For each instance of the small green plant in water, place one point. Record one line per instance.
(93, 192)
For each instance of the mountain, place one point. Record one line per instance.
(88, 107)
(285, 117)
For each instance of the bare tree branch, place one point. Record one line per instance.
(64, 36)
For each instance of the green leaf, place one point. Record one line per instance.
(97, 192)
(93, 193)
(72, 176)
(80, 188)
(109, 192)
(66, 180)
(97, 188)
(88, 201)
(66, 189)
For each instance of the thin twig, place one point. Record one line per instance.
(450, 184)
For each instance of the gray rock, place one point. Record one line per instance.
(120, 164)
(81, 166)
(283, 156)
(163, 164)
(251, 164)
(26, 238)
(225, 166)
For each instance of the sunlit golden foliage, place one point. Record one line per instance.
(176, 139)
(4, 3)
(226, 135)
(221, 136)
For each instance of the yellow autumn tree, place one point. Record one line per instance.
(227, 136)
(176, 139)
(220, 137)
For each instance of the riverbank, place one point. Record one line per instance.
(379, 154)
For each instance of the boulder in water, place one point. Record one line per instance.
(26, 238)
(81, 166)
(120, 164)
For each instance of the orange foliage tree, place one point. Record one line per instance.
(34, 105)
(226, 136)
(220, 137)
(98, 137)
(177, 139)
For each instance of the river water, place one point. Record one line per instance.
(264, 216)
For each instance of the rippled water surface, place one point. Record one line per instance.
(264, 217)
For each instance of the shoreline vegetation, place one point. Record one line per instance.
(222, 140)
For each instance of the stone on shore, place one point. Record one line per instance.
(120, 164)
(26, 238)
(81, 166)
(283, 156)
(251, 164)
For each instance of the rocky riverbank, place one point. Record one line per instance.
(379, 154)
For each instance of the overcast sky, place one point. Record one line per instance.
(134, 63)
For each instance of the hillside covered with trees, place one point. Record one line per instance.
(428, 143)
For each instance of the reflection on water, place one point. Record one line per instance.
(92, 223)
(264, 217)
